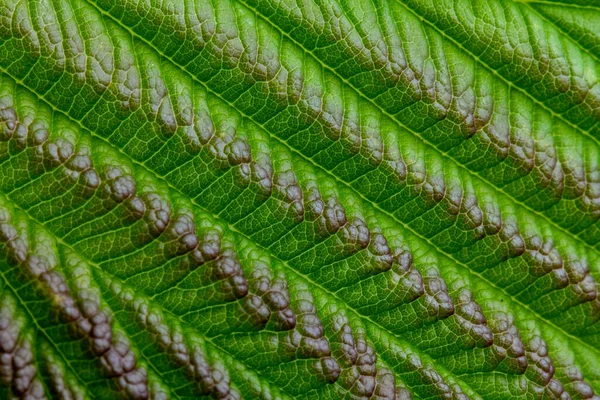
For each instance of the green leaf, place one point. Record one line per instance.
(299, 199)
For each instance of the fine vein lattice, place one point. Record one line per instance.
(299, 199)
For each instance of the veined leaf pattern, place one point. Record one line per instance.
(299, 199)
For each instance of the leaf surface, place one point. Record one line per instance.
(299, 199)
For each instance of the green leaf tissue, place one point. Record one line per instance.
(300, 199)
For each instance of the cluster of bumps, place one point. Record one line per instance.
(209, 203)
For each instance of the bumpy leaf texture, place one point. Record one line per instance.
(336, 199)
